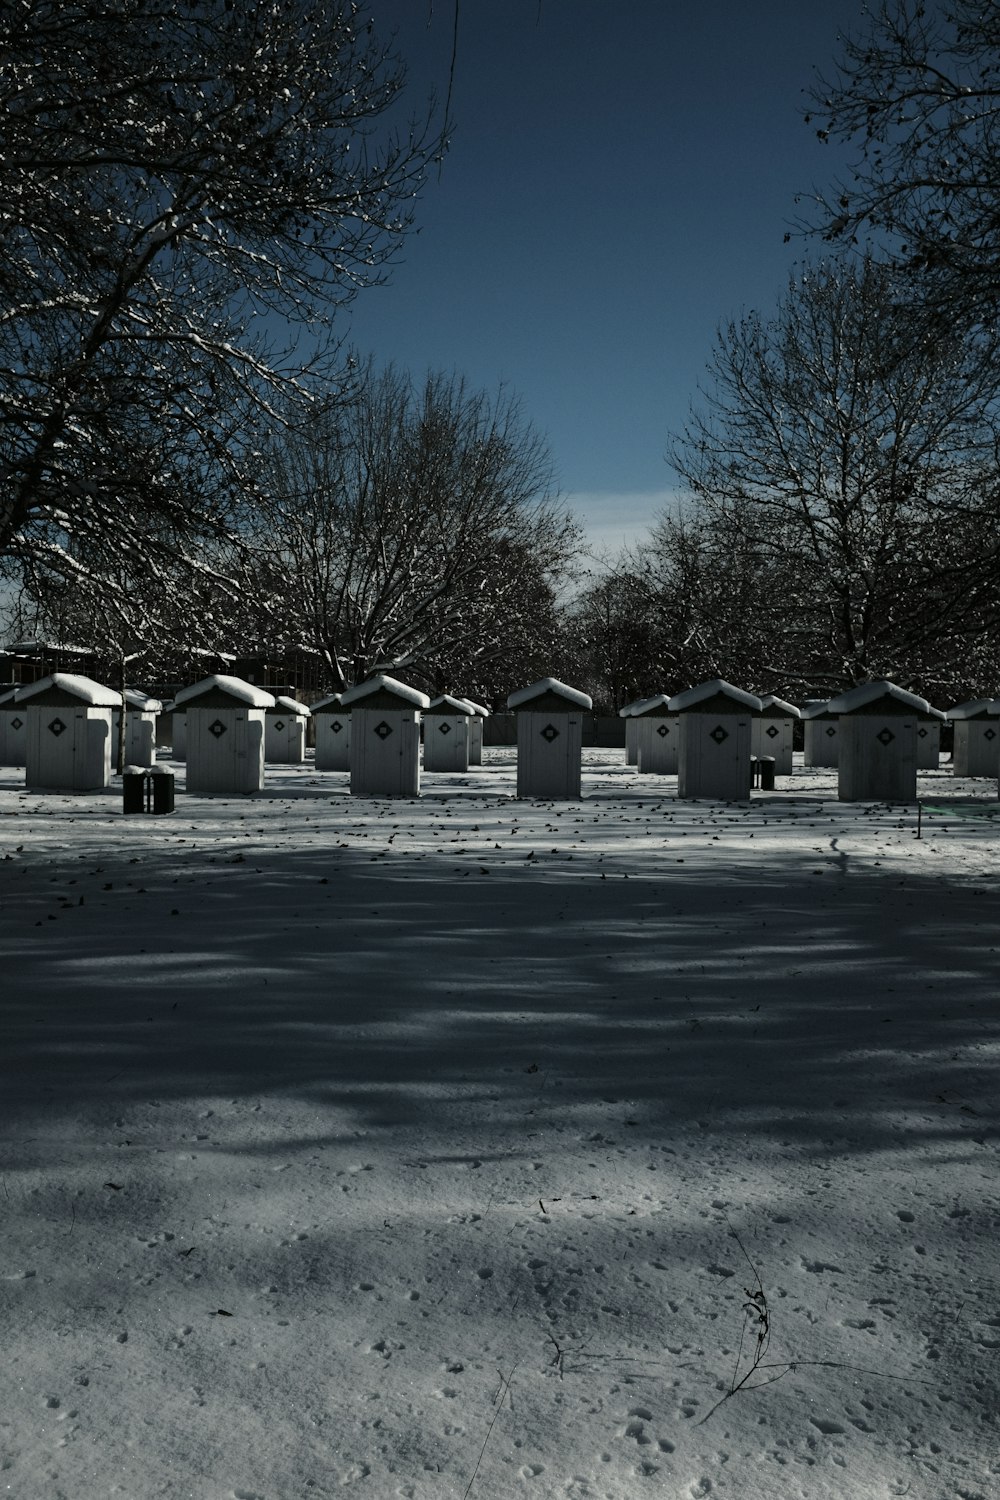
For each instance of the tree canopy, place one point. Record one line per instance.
(188, 188)
(410, 528)
(918, 95)
(845, 457)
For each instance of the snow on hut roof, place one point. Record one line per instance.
(384, 684)
(332, 700)
(142, 701)
(976, 708)
(814, 707)
(477, 708)
(628, 710)
(769, 700)
(293, 706)
(647, 705)
(872, 692)
(233, 687)
(8, 697)
(549, 685)
(84, 688)
(453, 705)
(716, 687)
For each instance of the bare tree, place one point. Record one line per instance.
(918, 95)
(851, 444)
(188, 188)
(406, 528)
(618, 638)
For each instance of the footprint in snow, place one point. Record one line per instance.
(827, 1427)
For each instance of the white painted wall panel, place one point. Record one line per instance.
(68, 748)
(140, 737)
(446, 742)
(822, 742)
(714, 758)
(977, 747)
(928, 745)
(13, 735)
(333, 741)
(385, 753)
(225, 750)
(284, 739)
(658, 744)
(549, 755)
(878, 758)
(773, 737)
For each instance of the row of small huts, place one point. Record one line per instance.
(711, 737)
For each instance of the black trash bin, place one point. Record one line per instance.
(133, 791)
(147, 791)
(766, 767)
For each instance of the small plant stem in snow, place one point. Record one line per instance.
(498, 1399)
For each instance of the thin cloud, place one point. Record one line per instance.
(613, 519)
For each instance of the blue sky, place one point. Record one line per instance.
(620, 179)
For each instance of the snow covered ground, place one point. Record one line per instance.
(434, 1149)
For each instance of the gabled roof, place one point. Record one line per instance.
(780, 706)
(142, 702)
(629, 710)
(574, 698)
(85, 688)
(381, 684)
(716, 687)
(648, 705)
(976, 708)
(292, 706)
(446, 704)
(232, 687)
(331, 701)
(865, 693)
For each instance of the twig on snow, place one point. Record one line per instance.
(504, 1390)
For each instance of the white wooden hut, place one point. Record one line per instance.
(549, 739)
(178, 730)
(476, 727)
(285, 732)
(385, 737)
(878, 742)
(447, 722)
(225, 735)
(628, 713)
(13, 729)
(68, 732)
(714, 759)
(773, 733)
(658, 735)
(977, 737)
(141, 713)
(929, 738)
(820, 733)
(332, 725)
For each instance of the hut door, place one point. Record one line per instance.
(64, 743)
